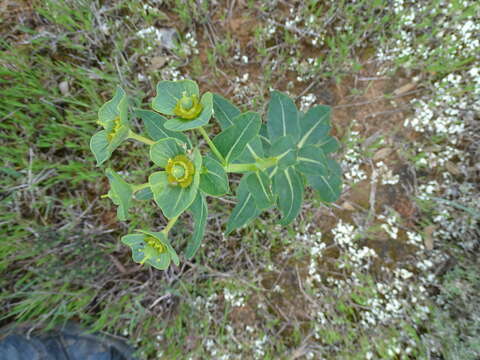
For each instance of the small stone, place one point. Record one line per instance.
(64, 88)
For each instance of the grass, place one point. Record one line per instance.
(256, 293)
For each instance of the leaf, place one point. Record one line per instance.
(311, 160)
(259, 186)
(315, 125)
(174, 199)
(329, 187)
(329, 144)
(169, 92)
(165, 149)
(116, 107)
(232, 141)
(213, 179)
(155, 126)
(199, 213)
(224, 111)
(120, 193)
(163, 239)
(284, 149)
(99, 147)
(202, 119)
(288, 186)
(282, 117)
(245, 210)
(144, 194)
(252, 151)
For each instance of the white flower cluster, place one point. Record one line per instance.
(389, 225)
(191, 43)
(234, 297)
(385, 173)
(352, 159)
(307, 101)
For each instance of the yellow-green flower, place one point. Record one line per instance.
(188, 107)
(180, 171)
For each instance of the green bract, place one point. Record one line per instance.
(277, 158)
(182, 99)
(152, 248)
(113, 117)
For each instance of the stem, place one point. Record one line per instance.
(239, 168)
(212, 145)
(139, 187)
(170, 224)
(132, 135)
(261, 164)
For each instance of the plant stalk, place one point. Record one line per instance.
(132, 135)
(170, 224)
(212, 145)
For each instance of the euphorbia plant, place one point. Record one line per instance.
(277, 158)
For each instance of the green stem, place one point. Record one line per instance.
(139, 187)
(132, 135)
(212, 145)
(170, 224)
(260, 164)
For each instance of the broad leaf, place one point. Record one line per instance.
(315, 125)
(213, 178)
(282, 117)
(245, 210)
(224, 111)
(329, 144)
(120, 193)
(144, 194)
(284, 149)
(288, 186)
(174, 199)
(155, 126)
(260, 188)
(232, 141)
(202, 119)
(252, 152)
(199, 213)
(169, 92)
(165, 149)
(99, 146)
(329, 187)
(311, 160)
(116, 107)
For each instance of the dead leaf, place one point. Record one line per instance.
(452, 168)
(382, 154)
(347, 206)
(157, 63)
(405, 88)
(428, 241)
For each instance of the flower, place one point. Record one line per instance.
(151, 248)
(188, 107)
(180, 171)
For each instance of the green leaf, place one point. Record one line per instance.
(329, 144)
(99, 147)
(245, 210)
(224, 111)
(117, 106)
(213, 178)
(144, 194)
(288, 185)
(284, 149)
(329, 187)
(311, 160)
(155, 126)
(232, 141)
(163, 239)
(259, 186)
(120, 193)
(315, 125)
(169, 92)
(165, 149)
(282, 117)
(174, 199)
(202, 119)
(199, 213)
(136, 243)
(252, 152)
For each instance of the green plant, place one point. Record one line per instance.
(277, 159)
